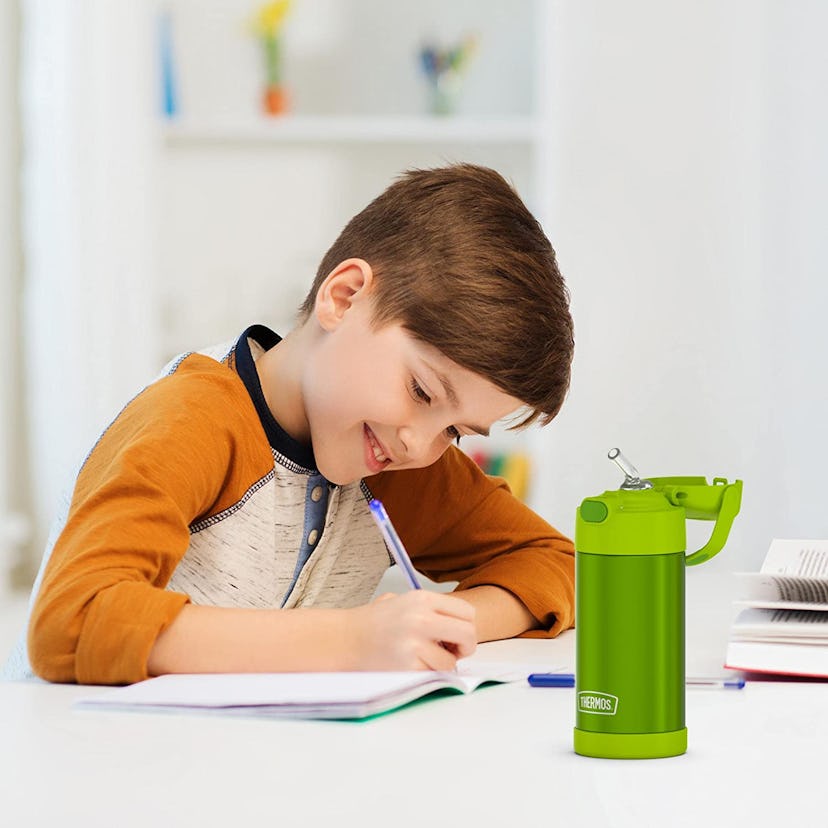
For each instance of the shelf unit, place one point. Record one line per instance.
(307, 129)
(231, 181)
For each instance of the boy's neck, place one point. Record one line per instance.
(280, 377)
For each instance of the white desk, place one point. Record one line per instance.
(499, 756)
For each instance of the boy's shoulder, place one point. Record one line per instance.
(195, 389)
(196, 366)
(226, 367)
(198, 410)
(195, 373)
(216, 359)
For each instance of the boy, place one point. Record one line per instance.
(221, 522)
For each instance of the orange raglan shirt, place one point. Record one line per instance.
(194, 493)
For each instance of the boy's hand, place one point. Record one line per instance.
(418, 630)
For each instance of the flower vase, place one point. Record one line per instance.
(444, 93)
(275, 98)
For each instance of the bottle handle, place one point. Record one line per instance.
(720, 501)
(724, 512)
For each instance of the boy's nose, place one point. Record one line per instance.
(418, 443)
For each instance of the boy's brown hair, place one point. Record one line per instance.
(463, 265)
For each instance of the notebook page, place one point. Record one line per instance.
(254, 689)
(317, 690)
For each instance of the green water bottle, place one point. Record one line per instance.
(629, 622)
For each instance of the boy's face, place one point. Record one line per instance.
(378, 399)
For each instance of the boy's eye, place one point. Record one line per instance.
(418, 392)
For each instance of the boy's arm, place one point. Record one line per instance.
(499, 613)
(161, 463)
(398, 632)
(459, 524)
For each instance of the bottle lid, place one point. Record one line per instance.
(635, 520)
(630, 522)
(647, 517)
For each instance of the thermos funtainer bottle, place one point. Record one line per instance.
(629, 581)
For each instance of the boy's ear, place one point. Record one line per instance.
(348, 282)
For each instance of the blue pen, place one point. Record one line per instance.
(717, 683)
(568, 680)
(552, 680)
(393, 542)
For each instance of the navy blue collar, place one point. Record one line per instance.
(279, 439)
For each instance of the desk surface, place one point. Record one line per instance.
(499, 756)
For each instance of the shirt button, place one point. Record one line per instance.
(312, 537)
(316, 494)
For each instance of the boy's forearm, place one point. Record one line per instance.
(499, 613)
(217, 639)
(395, 632)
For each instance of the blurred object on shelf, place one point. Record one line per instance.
(513, 467)
(169, 92)
(268, 23)
(444, 69)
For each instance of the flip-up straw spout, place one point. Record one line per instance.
(632, 480)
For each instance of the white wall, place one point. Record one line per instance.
(688, 212)
(794, 234)
(87, 206)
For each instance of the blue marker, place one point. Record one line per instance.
(568, 680)
(393, 542)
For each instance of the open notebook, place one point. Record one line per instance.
(300, 695)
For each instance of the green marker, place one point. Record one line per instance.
(629, 625)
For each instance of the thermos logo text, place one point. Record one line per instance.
(591, 701)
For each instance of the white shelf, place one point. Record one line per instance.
(293, 129)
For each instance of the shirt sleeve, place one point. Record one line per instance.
(160, 465)
(460, 524)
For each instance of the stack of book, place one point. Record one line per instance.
(782, 627)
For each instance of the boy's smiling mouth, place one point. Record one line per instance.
(375, 457)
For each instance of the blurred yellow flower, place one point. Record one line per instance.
(270, 17)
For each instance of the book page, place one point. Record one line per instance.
(781, 626)
(782, 591)
(791, 659)
(805, 558)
